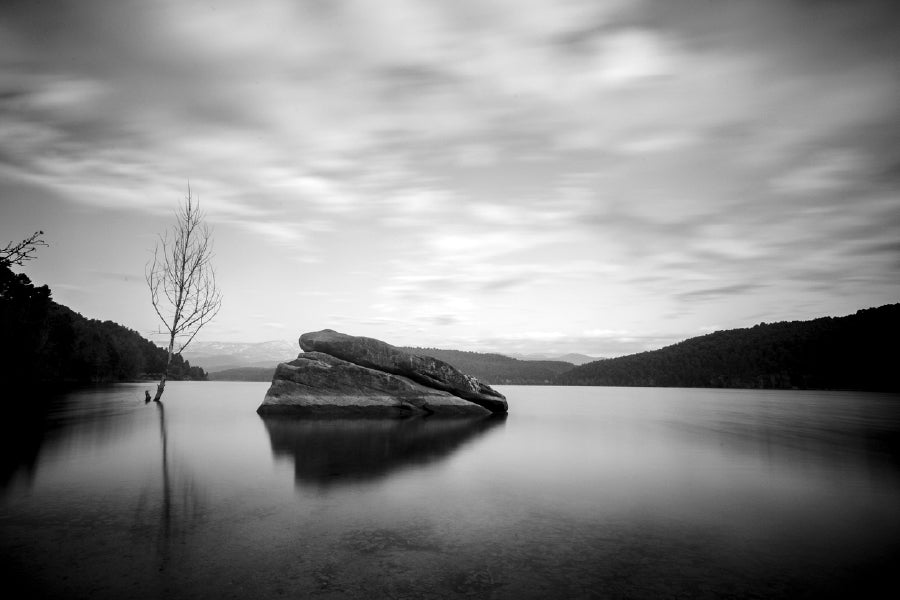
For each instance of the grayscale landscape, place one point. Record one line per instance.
(434, 300)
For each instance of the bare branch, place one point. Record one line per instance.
(181, 279)
(16, 254)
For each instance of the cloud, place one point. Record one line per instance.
(600, 343)
(118, 277)
(659, 142)
(492, 162)
(829, 171)
(717, 293)
(631, 56)
(322, 193)
(286, 233)
(477, 155)
(415, 207)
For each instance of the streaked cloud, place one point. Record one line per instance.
(827, 172)
(717, 293)
(489, 167)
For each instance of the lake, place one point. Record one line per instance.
(580, 492)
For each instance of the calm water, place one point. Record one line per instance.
(580, 492)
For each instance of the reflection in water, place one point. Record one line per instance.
(582, 492)
(92, 415)
(165, 525)
(833, 431)
(334, 451)
(21, 435)
(181, 506)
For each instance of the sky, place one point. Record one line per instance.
(602, 177)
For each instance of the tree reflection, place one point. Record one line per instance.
(165, 528)
(180, 503)
(165, 524)
(329, 452)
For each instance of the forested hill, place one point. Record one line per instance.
(857, 352)
(490, 368)
(496, 369)
(48, 344)
(244, 374)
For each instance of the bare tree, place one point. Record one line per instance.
(182, 281)
(16, 254)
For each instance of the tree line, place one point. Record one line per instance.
(493, 369)
(497, 369)
(47, 344)
(857, 352)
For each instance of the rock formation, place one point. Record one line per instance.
(428, 371)
(343, 375)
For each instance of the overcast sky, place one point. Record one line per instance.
(602, 177)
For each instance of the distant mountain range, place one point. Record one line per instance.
(235, 361)
(490, 368)
(243, 374)
(499, 369)
(575, 359)
(856, 352)
(218, 356)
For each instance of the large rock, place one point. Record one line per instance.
(317, 384)
(428, 371)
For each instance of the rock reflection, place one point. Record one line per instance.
(329, 452)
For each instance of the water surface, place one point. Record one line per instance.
(579, 492)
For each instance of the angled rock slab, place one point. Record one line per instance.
(317, 384)
(428, 371)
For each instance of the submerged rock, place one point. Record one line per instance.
(318, 384)
(425, 370)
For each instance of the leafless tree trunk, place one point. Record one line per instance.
(182, 281)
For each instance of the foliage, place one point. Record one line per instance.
(496, 369)
(825, 353)
(24, 312)
(493, 369)
(244, 374)
(45, 343)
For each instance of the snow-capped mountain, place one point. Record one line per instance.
(215, 356)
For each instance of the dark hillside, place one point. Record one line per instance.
(856, 352)
(489, 368)
(243, 374)
(496, 369)
(45, 344)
